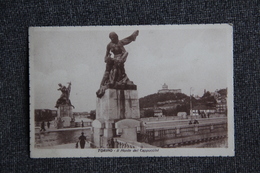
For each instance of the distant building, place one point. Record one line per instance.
(166, 90)
(81, 114)
(202, 108)
(158, 113)
(221, 106)
(182, 114)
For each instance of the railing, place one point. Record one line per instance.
(160, 134)
(124, 143)
(86, 124)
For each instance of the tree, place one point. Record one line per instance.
(149, 113)
(43, 115)
(222, 92)
(171, 112)
(206, 95)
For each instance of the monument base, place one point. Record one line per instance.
(118, 104)
(114, 110)
(65, 116)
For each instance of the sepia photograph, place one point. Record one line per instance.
(131, 91)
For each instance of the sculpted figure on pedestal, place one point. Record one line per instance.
(65, 94)
(115, 71)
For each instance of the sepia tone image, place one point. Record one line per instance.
(119, 91)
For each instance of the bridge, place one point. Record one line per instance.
(175, 133)
(160, 133)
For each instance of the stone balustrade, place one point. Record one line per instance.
(166, 118)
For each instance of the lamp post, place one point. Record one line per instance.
(191, 112)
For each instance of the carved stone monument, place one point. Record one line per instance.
(117, 97)
(115, 76)
(65, 114)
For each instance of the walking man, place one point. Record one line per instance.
(82, 140)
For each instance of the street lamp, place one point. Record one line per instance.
(191, 112)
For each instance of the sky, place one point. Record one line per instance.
(182, 56)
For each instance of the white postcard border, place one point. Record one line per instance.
(145, 152)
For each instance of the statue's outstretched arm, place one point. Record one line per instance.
(130, 38)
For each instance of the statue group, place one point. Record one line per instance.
(115, 76)
(65, 94)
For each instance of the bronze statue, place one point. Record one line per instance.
(115, 71)
(65, 94)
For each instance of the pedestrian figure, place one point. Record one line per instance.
(202, 114)
(205, 114)
(48, 124)
(82, 140)
(42, 127)
(82, 123)
(190, 122)
(196, 122)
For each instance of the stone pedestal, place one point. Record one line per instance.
(114, 106)
(65, 116)
(118, 104)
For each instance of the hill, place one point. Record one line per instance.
(172, 103)
(162, 98)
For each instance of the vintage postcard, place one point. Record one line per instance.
(131, 91)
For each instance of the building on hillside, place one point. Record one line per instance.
(158, 113)
(166, 90)
(182, 114)
(202, 108)
(221, 106)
